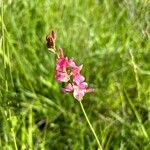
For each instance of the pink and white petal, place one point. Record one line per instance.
(61, 64)
(83, 85)
(78, 79)
(72, 63)
(78, 94)
(61, 76)
(81, 66)
(69, 88)
(76, 70)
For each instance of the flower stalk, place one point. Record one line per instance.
(91, 127)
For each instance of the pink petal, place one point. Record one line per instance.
(78, 79)
(72, 63)
(69, 88)
(61, 64)
(81, 66)
(76, 70)
(83, 85)
(78, 93)
(61, 76)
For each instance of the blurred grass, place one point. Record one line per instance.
(111, 39)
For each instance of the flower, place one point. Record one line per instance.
(67, 71)
(76, 70)
(78, 78)
(62, 63)
(80, 87)
(68, 88)
(62, 76)
(78, 91)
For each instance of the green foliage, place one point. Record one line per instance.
(111, 39)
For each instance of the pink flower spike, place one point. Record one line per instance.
(78, 79)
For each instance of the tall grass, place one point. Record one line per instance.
(111, 39)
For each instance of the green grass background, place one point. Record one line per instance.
(111, 38)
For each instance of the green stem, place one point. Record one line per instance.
(91, 127)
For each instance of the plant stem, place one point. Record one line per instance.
(91, 127)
